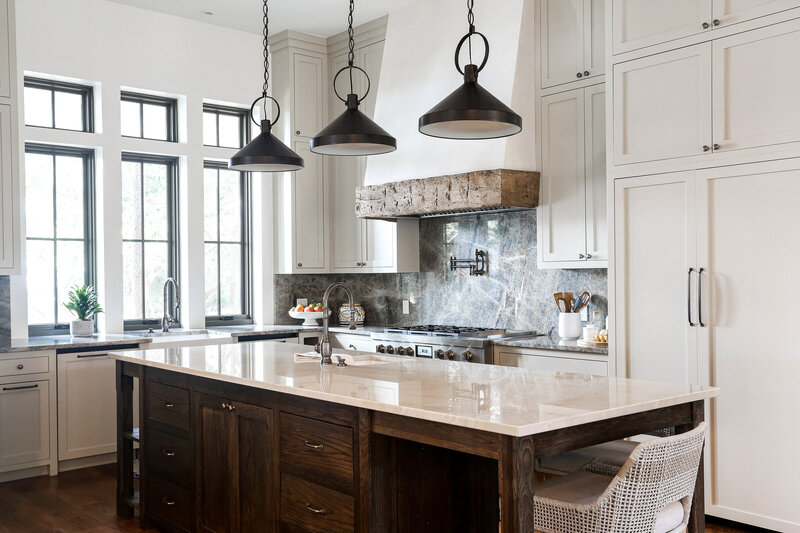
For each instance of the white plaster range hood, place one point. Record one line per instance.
(465, 193)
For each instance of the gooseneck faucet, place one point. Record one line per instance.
(168, 319)
(325, 349)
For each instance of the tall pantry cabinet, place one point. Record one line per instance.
(705, 177)
(10, 160)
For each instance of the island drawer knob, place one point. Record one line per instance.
(20, 366)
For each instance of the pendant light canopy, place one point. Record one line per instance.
(266, 153)
(352, 132)
(470, 112)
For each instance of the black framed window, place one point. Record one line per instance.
(60, 229)
(227, 127)
(149, 117)
(59, 105)
(149, 236)
(227, 245)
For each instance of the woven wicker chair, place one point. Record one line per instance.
(651, 493)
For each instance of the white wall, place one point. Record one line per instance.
(418, 71)
(114, 46)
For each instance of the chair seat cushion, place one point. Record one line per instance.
(613, 453)
(582, 488)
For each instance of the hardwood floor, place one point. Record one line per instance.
(75, 501)
(83, 501)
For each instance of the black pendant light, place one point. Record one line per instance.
(266, 153)
(470, 112)
(352, 132)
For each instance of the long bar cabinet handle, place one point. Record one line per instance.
(689, 297)
(24, 387)
(700, 297)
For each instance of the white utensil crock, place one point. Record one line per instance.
(569, 325)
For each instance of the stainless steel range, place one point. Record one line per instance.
(452, 343)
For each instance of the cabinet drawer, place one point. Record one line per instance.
(324, 448)
(169, 457)
(24, 365)
(169, 405)
(315, 508)
(168, 501)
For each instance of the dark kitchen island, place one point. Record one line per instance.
(250, 437)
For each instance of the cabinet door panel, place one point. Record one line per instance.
(732, 11)
(596, 201)
(655, 231)
(379, 244)
(215, 455)
(86, 406)
(7, 201)
(562, 185)
(640, 23)
(255, 471)
(756, 90)
(562, 41)
(346, 228)
(594, 40)
(24, 422)
(662, 105)
(744, 214)
(5, 50)
(553, 363)
(308, 86)
(309, 215)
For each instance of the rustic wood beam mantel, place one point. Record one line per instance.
(482, 190)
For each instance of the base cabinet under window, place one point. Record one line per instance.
(24, 422)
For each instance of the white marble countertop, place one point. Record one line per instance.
(505, 400)
(60, 342)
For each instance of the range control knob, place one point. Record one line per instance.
(451, 354)
(410, 351)
(390, 349)
(380, 348)
(439, 354)
(401, 350)
(468, 356)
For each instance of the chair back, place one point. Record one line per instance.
(658, 472)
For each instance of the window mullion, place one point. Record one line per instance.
(219, 238)
(142, 241)
(55, 245)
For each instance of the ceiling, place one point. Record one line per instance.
(318, 17)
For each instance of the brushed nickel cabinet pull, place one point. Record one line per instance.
(167, 502)
(314, 509)
(167, 453)
(315, 445)
(169, 405)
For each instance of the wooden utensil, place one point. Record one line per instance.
(568, 301)
(557, 297)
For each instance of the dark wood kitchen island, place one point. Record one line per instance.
(249, 437)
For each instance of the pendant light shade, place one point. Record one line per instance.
(470, 112)
(266, 153)
(352, 132)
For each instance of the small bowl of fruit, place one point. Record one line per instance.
(309, 313)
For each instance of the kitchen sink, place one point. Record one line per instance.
(362, 360)
(171, 333)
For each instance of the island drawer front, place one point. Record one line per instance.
(320, 447)
(169, 502)
(315, 508)
(169, 405)
(24, 365)
(169, 457)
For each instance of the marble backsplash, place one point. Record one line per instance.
(514, 294)
(5, 310)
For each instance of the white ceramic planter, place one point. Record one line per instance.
(569, 325)
(81, 328)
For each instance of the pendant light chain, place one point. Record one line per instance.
(266, 54)
(351, 55)
(471, 22)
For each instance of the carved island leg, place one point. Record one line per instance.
(517, 479)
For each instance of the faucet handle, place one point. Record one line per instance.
(340, 361)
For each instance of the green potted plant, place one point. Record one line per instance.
(83, 304)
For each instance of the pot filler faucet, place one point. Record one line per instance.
(325, 349)
(168, 319)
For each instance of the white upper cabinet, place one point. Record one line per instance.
(10, 228)
(756, 98)
(309, 211)
(572, 40)
(640, 23)
(662, 106)
(308, 89)
(572, 212)
(733, 11)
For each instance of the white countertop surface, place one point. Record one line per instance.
(505, 400)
